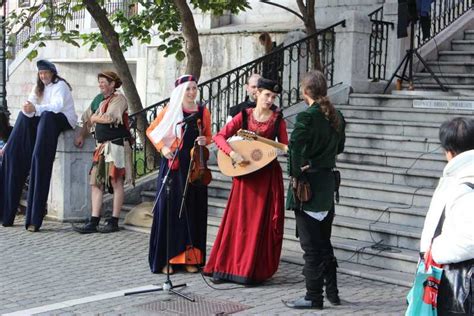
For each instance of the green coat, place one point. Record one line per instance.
(314, 141)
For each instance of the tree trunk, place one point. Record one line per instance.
(111, 40)
(310, 24)
(191, 36)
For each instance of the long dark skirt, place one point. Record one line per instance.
(190, 229)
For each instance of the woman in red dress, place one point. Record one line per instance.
(248, 245)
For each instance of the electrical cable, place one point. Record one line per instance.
(378, 245)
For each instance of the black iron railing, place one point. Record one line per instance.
(22, 37)
(378, 45)
(286, 64)
(128, 7)
(74, 21)
(77, 21)
(441, 14)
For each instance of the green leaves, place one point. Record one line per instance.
(219, 6)
(32, 55)
(156, 19)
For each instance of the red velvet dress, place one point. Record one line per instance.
(248, 245)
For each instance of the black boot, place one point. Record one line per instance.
(314, 286)
(89, 227)
(330, 279)
(111, 225)
(303, 303)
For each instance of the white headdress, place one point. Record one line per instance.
(167, 131)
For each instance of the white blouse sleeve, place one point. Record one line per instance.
(59, 94)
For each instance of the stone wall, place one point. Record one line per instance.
(222, 51)
(327, 11)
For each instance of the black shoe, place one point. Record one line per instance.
(109, 227)
(303, 303)
(87, 228)
(334, 300)
(217, 280)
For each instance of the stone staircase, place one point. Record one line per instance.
(454, 67)
(390, 167)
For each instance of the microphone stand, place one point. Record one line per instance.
(167, 285)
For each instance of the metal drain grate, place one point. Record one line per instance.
(202, 306)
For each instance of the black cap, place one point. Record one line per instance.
(43, 64)
(268, 85)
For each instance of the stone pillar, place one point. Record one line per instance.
(70, 194)
(352, 51)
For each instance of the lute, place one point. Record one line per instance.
(257, 151)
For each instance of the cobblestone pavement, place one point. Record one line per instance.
(57, 265)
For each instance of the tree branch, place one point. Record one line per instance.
(191, 36)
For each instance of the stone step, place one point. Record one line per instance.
(376, 255)
(454, 67)
(393, 158)
(148, 196)
(393, 142)
(354, 257)
(469, 34)
(346, 250)
(383, 173)
(392, 127)
(360, 270)
(392, 213)
(389, 175)
(462, 45)
(451, 55)
(398, 100)
(356, 189)
(379, 182)
(363, 190)
(445, 78)
(432, 115)
(400, 200)
(389, 193)
(461, 90)
(399, 236)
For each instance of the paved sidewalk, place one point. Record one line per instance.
(59, 272)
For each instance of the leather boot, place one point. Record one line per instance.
(111, 225)
(303, 303)
(330, 279)
(314, 286)
(89, 227)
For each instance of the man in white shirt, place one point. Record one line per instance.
(31, 147)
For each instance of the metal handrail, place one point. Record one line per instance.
(378, 45)
(376, 15)
(442, 14)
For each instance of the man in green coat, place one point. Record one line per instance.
(318, 137)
